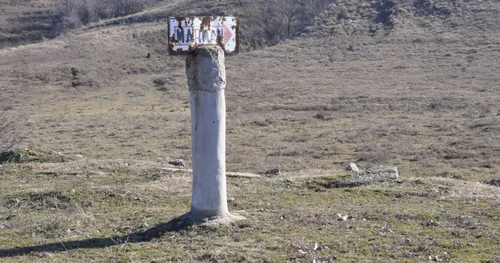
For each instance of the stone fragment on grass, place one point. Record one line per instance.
(177, 162)
(13, 201)
(494, 182)
(242, 175)
(382, 173)
(352, 167)
(374, 175)
(275, 171)
(342, 217)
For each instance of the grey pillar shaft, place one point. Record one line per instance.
(207, 80)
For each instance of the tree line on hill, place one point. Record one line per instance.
(270, 21)
(70, 14)
(266, 21)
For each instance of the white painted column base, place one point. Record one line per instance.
(207, 80)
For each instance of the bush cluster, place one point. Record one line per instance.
(271, 21)
(70, 14)
(12, 133)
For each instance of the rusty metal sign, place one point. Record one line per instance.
(187, 33)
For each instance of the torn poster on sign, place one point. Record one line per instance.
(188, 33)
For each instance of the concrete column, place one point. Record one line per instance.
(207, 80)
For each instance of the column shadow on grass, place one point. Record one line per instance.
(176, 224)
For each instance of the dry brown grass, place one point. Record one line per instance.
(90, 210)
(422, 96)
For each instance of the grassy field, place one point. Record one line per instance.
(121, 211)
(420, 91)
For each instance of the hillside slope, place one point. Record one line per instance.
(378, 87)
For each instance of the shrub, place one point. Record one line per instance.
(10, 134)
(125, 7)
(274, 20)
(74, 13)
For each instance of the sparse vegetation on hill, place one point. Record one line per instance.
(412, 84)
(33, 21)
(71, 14)
(264, 23)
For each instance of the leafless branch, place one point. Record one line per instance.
(11, 131)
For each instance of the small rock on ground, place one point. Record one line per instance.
(177, 162)
(342, 217)
(374, 175)
(275, 171)
(494, 182)
(5, 226)
(352, 167)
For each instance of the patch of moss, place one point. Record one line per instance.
(26, 156)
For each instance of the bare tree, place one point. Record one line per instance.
(125, 7)
(274, 20)
(69, 14)
(291, 12)
(88, 11)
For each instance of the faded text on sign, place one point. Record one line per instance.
(188, 33)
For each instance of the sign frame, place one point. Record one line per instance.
(185, 34)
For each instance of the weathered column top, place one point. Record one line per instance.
(205, 69)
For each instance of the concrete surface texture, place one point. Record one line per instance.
(207, 80)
